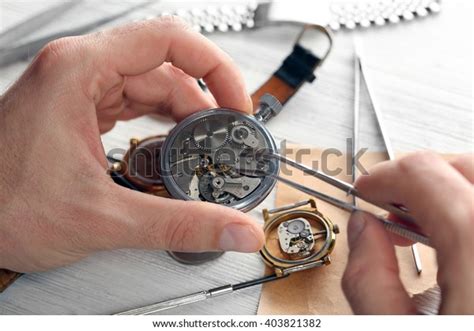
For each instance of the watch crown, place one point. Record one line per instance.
(269, 107)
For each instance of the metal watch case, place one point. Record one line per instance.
(318, 239)
(203, 156)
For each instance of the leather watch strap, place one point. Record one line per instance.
(297, 68)
(7, 277)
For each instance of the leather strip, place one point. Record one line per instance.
(7, 277)
(297, 68)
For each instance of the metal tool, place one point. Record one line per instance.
(345, 187)
(361, 71)
(355, 128)
(199, 296)
(407, 229)
(30, 25)
(22, 51)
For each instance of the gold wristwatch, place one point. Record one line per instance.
(297, 237)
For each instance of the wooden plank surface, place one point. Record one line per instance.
(422, 75)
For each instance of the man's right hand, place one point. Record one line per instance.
(440, 195)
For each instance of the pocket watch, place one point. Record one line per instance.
(202, 157)
(297, 237)
(205, 157)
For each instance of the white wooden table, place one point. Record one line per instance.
(422, 75)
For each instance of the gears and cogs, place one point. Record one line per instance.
(209, 134)
(204, 155)
(208, 190)
(243, 134)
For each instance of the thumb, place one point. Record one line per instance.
(187, 226)
(371, 282)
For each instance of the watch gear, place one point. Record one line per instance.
(209, 135)
(242, 134)
(210, 193)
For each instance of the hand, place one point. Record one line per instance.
(57, 204)
(440, 197)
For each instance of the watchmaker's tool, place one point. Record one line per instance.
(355, 127)
(407, 229)
(29, 26)
(360, 71)
(198, 296)
(23, 50)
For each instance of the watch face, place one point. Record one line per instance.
(216, 156)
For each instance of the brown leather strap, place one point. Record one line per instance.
(297, 68)
(7, 278)
(276, 87)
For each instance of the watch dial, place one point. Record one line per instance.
(216, 156)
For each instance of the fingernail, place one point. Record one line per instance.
(238, 237)
(355, 228)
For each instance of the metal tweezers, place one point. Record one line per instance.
(360, 72)
(405, 227)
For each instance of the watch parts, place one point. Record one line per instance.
(209, 156)
(297, 237)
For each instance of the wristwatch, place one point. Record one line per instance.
(297, 237)
(139, 168)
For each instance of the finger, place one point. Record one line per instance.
(371, 283)
(465, 165)
(440, 198)
(396, 239)
(106, 125)
(437, 195)
(140, 47)
(166, 89)
(160, 223)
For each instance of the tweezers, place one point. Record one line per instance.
(404, 227)
(359, 71)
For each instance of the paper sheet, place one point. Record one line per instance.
(318, 291)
